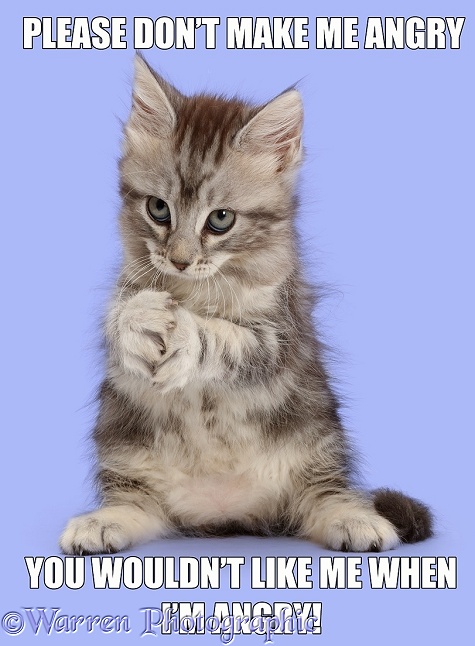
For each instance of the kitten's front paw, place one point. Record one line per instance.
(94, 533)
(145, 326)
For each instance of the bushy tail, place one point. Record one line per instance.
(412, 519)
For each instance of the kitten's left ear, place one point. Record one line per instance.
(276, 129)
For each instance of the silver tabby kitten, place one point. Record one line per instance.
(216, 414)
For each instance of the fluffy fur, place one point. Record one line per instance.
(216, 413)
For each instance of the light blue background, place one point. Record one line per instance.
(387, 223)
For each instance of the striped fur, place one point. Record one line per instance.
(216, 411)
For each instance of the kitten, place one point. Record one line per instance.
(216, 414)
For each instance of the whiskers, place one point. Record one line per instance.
(232, 293)
(135, 271)
(209, 293)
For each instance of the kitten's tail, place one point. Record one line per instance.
(412, 519)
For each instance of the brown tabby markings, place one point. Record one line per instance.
(206, 126)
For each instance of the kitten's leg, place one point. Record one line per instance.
(346, 521)
(110, 529)
(153, 338)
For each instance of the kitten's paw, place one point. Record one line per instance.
(362, 532)
(145, 326)
(348, 522)
(110, 529)
(177, 365)
(94, 534)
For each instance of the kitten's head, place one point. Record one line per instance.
(208, 183)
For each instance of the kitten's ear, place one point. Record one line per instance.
(154, 101)
(276, 129)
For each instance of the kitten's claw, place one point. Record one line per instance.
(158, 338)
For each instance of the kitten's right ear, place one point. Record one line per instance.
(154, 101)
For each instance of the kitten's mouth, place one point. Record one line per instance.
(188, 270)
(184, 270)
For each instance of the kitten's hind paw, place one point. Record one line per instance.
(351, 524)
(362, 534)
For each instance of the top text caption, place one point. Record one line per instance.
(101, 32)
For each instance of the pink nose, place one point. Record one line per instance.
(179, 265)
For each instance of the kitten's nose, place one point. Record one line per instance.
(179, 265)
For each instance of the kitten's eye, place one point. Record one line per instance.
(158, 210)
(220, 220)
